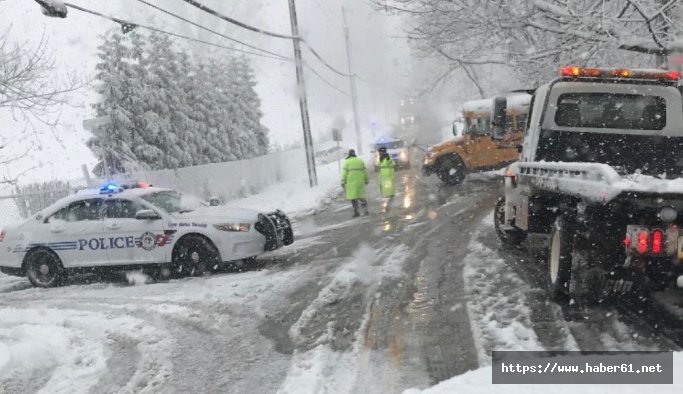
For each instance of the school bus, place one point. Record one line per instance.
(493, 130)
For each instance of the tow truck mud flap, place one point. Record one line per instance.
(617, 284)
(277, 229)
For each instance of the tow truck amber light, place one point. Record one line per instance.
(657, 237)
(575, 71)
(643, 238)
(591, 72)
(623, 73)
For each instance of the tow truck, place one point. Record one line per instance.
(601, 171)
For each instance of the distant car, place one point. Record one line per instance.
(136, 228)
(396, 148)
(329, 155)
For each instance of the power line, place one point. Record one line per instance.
(124, 23)
(328, 83)
(211, 30)
(343, 74)
(129, 25)
(236, 22)
(255, 29)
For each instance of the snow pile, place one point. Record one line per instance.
(496, 304)
(295, 197)
(479, 381)
(137, 278)
(71, 346)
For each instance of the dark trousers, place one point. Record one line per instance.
(359, 202)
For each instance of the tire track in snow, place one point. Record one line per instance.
(499, 302)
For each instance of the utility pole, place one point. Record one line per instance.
(303, 102)
(352, 81)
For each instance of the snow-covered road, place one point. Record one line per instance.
(406, 298)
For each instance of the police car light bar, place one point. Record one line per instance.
(593, 72)
(110, 188)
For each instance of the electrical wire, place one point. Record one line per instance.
(124, 23)
(128, 24)
(255, 29)
(238, 23)
(328, 83)
(211, 30)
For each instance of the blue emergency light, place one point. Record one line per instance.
(109, 188)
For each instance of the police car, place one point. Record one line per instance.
(140, 226)
(396, 148)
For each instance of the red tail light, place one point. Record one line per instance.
(642, 241)
(627, 241)
(657, 237)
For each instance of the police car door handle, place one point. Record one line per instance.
(56, 229)
(113, 225)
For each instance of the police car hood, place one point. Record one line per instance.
(219, 215)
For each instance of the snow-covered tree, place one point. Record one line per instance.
(175, 112)
(119, 89)
(534, 37)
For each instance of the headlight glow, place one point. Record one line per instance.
(403, 155)
(233, 227)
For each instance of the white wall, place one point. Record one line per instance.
(229, 180)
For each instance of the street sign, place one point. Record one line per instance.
(336, 135)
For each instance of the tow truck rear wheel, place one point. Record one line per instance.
(44, 268)
(560, 260)
(194, 255)
(451, 170)
(509, 236)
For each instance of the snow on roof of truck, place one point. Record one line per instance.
(518, 102)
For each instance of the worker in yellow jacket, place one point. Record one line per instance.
(354, 179)
(386, 173)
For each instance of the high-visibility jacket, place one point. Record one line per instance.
(354, 178)
(386, 177)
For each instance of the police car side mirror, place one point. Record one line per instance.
(147, 214)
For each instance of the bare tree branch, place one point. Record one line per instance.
(33, 93)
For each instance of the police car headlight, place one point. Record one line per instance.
(235, 227)
(403, 155)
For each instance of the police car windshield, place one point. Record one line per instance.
(390, 145)
(167, 200)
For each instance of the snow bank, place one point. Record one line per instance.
(70, 345)
(294, 196)
(496, 305)
(479, 381)
(500, 319)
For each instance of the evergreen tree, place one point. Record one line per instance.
(117, 78)
(169, 112)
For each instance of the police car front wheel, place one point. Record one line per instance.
(43, 268)
(195, 255)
